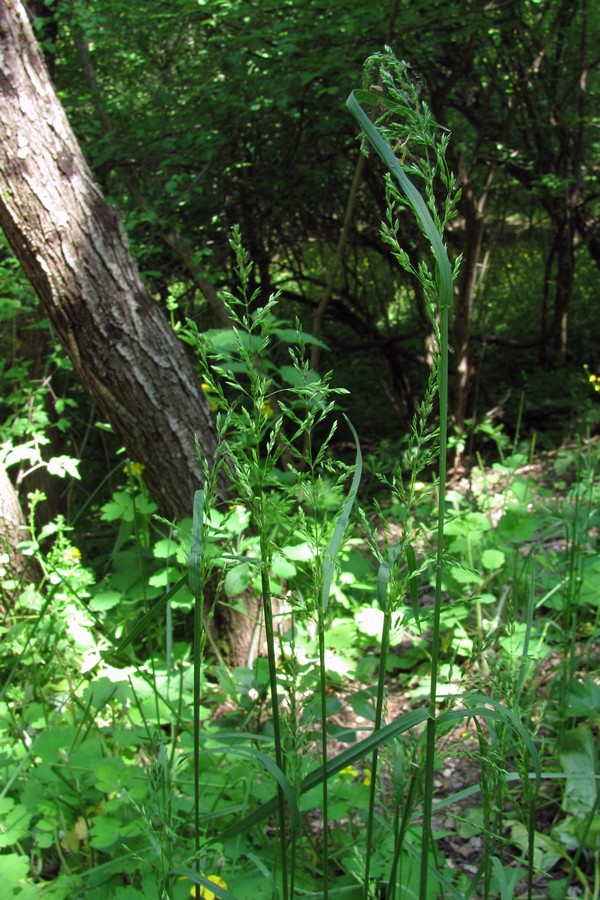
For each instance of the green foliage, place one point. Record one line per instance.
(196, 117)
(135, 765)
(99, 791)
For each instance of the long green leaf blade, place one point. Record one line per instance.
(412, 195)
(337, 537)
(346, 758)
(195, 558)
(151, 614)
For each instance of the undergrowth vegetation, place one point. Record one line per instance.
(417, 715)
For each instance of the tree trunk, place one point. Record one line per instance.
(74, 251)
(17, 567)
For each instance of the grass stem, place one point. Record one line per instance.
(279, 756)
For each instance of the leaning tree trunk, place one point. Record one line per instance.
(74, 251)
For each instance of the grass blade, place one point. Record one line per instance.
(346, 758)
(413, 196)
(195, 557)
(158, 607)
(337, 537)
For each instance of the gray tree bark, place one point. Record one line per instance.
(74, 251)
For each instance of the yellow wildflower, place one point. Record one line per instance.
(74, 553)
(204, 892)
(211, 401)
(134, 468)
(349, 770)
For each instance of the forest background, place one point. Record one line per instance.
(196, 118)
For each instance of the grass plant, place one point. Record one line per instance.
(407, 120)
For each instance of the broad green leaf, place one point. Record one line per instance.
(14, 822)
(292, 376)
(237, 579)
(63, 466)
(112, 775)
(104, 600)
(164, 577)
(578, 762)
(299, 552)
(290, 336)
(590, 582)
(464, 575)
(471, 523)
(120, 507)
(105, 832)
(14, 868)
(168, 547)
(363, 704)
(282, 567)
(547, 851)
(583, 698)
(517, 525)
(492, 559)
